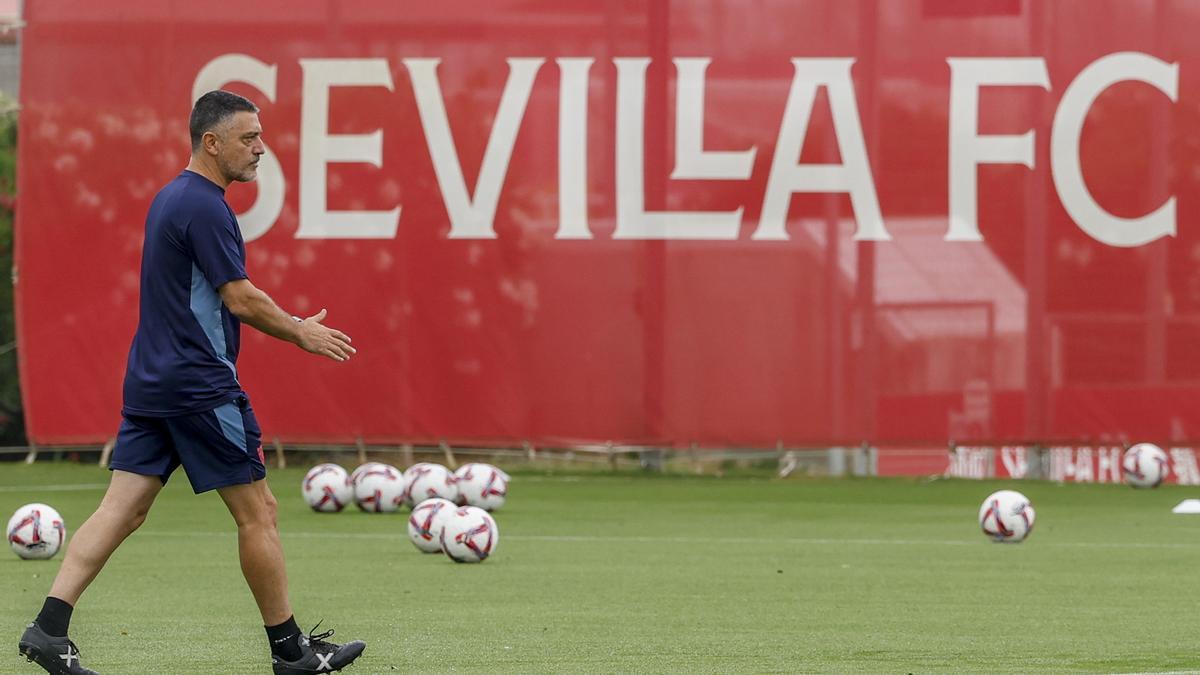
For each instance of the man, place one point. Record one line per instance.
(183, 403)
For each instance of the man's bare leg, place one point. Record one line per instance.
(261, 553)
(122, 511)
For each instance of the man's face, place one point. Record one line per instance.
(240, 146)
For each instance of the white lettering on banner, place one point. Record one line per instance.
(968, 149)
(1183, 466)
(1014, 460)
(318, 148)
(215, 74)
(1083, 466)
(1065, 166)
(572, 149)
(853, 175)
(633, 220)
(1108, 465)
(691, 160)
(1062, 463)
(471, 217)
(968, 462)
(472, 213)
(1103, 464)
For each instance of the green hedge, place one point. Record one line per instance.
(12, 421)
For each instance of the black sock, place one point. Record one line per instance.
(55, 617)
(284, 642)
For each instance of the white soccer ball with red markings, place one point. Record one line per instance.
(363, 468)
(426, 481)
(379, 488)
(36, 532)
(426, 521)
(1006, 516)
(327, 488)
(1145, 465)
(481, 485)
(410, 474)
(469, 535)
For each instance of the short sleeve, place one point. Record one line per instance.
(217, 247)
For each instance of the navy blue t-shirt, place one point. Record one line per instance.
(184, 352)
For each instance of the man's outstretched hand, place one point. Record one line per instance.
(319, 339)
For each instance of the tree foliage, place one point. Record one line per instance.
(12, 421)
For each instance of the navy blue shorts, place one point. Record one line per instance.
(217, 448)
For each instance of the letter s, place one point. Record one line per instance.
(215, 74)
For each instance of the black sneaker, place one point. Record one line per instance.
(319, 656)
(57, 655)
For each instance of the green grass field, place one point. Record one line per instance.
(623, 573)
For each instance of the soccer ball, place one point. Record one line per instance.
(327, 488)
(1006, 516)
(1145, 465)
(428, 481)
(469, 535)
(482, 485)
(363, 468)
(415, 469)
(379, 489)
(36, 532)
(410, 474)
(426, 521)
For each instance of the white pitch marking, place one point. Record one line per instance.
(54, 488)
(1163, 672)
(697, 540)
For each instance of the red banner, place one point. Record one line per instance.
(824, 222)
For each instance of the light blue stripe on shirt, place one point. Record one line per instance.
(206, 307)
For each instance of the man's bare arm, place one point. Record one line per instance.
(256, 308)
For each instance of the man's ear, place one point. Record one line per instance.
(209, 141)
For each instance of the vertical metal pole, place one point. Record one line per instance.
(106, 451)
(835, 330)
(1156, 282)
(866, 380)
(280, 461)
(655, 259)
(448, 453)
(362, 450)
(1037, 398)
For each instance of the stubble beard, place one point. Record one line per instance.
(245, 175)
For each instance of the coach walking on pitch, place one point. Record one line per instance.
(183, 403)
